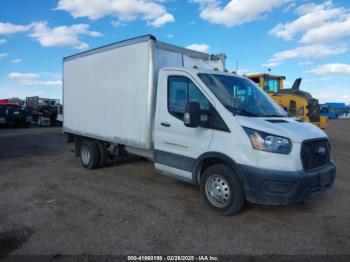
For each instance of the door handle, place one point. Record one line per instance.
(166, 124)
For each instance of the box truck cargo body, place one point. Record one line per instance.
(194, 120)
(110, 92)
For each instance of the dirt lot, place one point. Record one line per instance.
(50, 205)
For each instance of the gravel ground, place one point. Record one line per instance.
(50, 205)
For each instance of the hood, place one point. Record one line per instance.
(283, 126)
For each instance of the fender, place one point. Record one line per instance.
(228, 160)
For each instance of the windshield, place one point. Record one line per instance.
(241, 96)
(271, 85)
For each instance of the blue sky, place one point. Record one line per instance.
(296, 38)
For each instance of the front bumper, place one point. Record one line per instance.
(273, 187)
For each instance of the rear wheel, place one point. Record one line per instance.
(103, 153)
(222, 190)
(89, 155)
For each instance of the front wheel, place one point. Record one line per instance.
(222, 190)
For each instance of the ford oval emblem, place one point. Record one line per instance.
(321, 151)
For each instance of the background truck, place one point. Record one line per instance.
(204, 126)
(14, 115)
(43, 110)
(335, 110)
(298, 103)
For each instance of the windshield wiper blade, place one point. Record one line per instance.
(240, 111)
(247, 112)
(272, 115)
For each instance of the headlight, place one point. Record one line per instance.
(268, 142)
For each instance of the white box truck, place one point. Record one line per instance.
(196, 121)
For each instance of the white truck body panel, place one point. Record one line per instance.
(104, 94)
(109, 92)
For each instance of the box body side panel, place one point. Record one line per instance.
(105, 95)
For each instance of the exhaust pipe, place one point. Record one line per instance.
(296, 85)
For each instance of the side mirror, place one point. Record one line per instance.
(192, 116)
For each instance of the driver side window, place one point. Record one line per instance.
(182, 90)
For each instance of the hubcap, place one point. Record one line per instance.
(85, 155)
(217, 191)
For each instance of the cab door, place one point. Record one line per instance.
(177, 146)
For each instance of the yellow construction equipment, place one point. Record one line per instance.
(296, 102)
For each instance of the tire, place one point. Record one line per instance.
(89, 155)
(103, 153)
(222, 190)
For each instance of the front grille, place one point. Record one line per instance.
(315, 153)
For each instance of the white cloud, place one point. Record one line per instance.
(199, 47)
(169, 36)
(33, 79)
(332, 94)
(317, 22)
(62, 35)
(56, 36)
(16, 61)
(331, 69)
(8, 28)
(166, 18)
(2, 55)
(150, 11)
(327, 32)
(244, 71)
(305, 52)
(326, 78)
(236, 12)
(48, 83)
(305, 63)
(23, 77)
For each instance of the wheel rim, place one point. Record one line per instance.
(218, 191)
(85, 155)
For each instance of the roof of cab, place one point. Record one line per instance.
(202, 71)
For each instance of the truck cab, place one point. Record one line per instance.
(271, 84)
(205, 118)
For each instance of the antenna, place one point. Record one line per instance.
(237, 63)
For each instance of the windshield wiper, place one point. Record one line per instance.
(239, 111)
(247, 112)
(274, 115)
